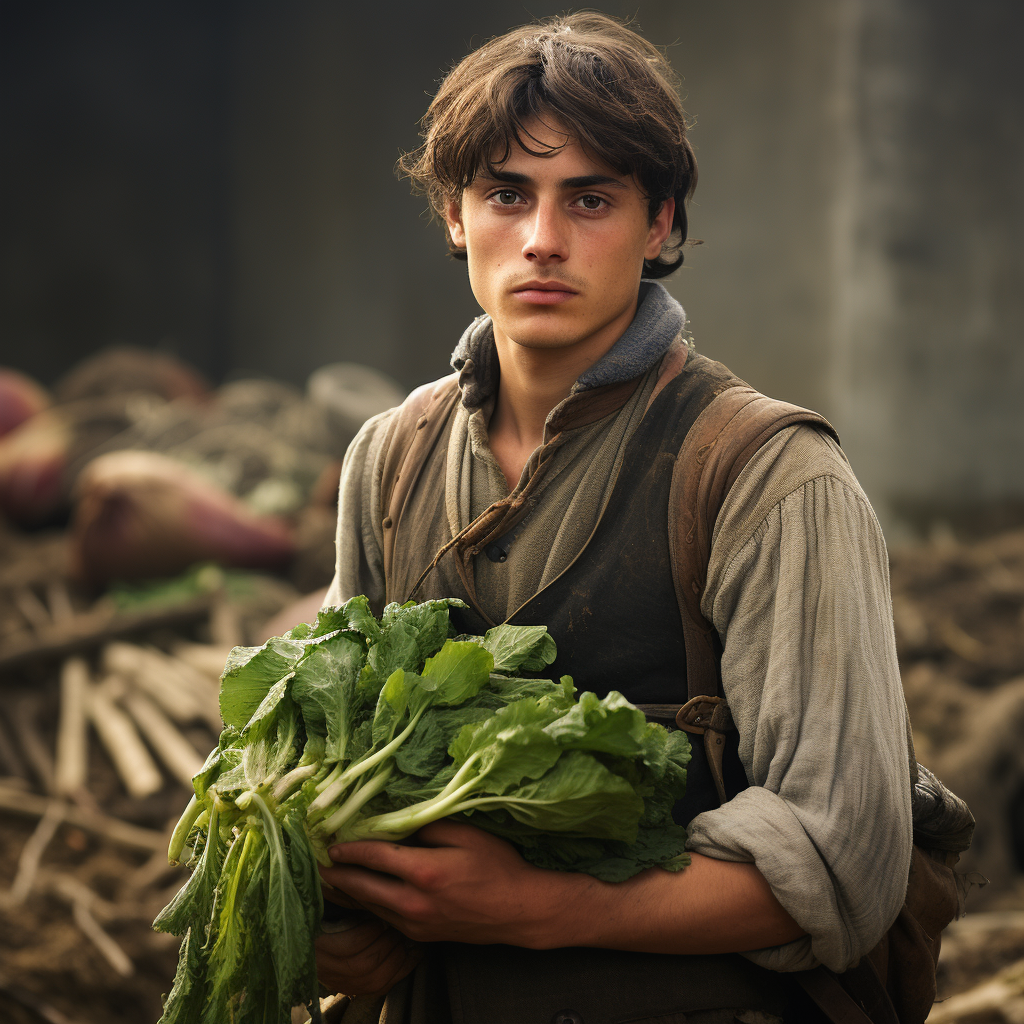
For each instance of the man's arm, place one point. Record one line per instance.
(798, 590)
(465, 885)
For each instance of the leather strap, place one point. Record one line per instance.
(735, 424)
(411, 436)
(860, 998)
(705, 716)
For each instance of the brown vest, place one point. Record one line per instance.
(626, 616)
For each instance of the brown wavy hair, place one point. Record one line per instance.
(614, 90)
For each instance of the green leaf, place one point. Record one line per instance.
(611, 726)
(392, 704)
(286, 918)
(250, 674)
(514, 648)
(223, 757)
(324, 685)
(184, 1002)
(354, 614)
(396, 649)
(457, 672)
(193, 903)
(579, 794)
(510, 688)
(425, 751)
(428, 622)
(509, 746)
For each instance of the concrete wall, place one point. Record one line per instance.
(223, 185)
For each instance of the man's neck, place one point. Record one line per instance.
(532, 382)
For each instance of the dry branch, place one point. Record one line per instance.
(10, 760)
(24, 717)
(133, 762)
(179, 756)
(93, 931)
(123, 833)
(58, 600)
(72, 733)
(206, 658)
(87, 630)
(151, 673)
(1003, 993)
(31, 854)
(32, 609)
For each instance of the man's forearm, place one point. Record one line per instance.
(712, 906)
(464, 885)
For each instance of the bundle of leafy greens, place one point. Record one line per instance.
(358, 728)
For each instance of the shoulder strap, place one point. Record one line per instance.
(411, 436)
(722, 440)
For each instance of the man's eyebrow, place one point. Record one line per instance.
(580, 181)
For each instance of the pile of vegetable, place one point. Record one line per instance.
(354, 728)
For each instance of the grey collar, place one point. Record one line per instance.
(658, 322)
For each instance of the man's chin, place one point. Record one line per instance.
(545, 331)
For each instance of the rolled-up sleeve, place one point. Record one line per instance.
(798, 590)
(359, 559)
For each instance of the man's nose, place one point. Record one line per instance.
(547, 238)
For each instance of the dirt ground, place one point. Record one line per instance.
(959, 614)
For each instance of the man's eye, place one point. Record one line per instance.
(506, 197)
(590, 202)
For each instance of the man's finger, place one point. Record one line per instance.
(451, 833)
(339, 898)
(373, 971)
(354, 941)
(402, 862)
(370, 889)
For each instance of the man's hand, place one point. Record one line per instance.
(458, 884)
(464, 885)
(366, 959)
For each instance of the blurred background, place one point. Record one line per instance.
(212, 184)
(215, 180)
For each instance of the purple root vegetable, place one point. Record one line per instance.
(33, 459)
(139, 514)
(20, 399)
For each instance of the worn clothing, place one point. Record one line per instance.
(797, 590)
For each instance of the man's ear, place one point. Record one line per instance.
(661, 228)
(453, 218)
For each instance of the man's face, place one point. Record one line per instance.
(556, 246)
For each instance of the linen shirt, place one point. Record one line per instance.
(797, 589)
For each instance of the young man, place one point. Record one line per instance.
(558, 159)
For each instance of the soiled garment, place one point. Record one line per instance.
(798, 591)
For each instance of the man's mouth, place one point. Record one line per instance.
(545, 293)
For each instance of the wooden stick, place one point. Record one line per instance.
(70, 888)
(72, 732)
(31, 854)
(32, 609)
(150, 673)
(1003, 992)
(58, 601)
(123, 833)
(90, 629)
(36, 1005)
(93, 930)
(10, 759)
(36, 751)
(133, 762)
(206, 658)
(225, 624)
(205, 692)
(178, 755)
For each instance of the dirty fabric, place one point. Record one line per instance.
(809, 666)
